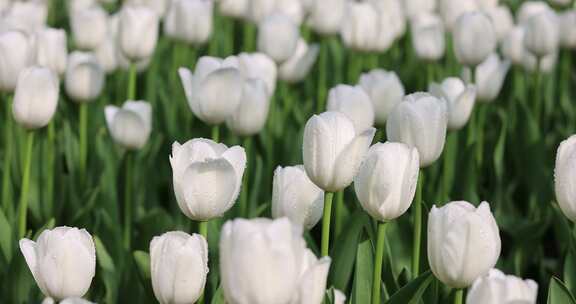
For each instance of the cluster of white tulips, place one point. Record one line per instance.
(375, 136)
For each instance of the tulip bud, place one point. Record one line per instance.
(460, 98)
(214, 91)
(84, 77)
(36, 97)
(26, 16)
(333, 151)
(360, 26)
(260, 66)
(490, 76)
(354, 103)
(52, 50)
(386, 183)
(234, 8)
(297, 67)
(413, 8)
(296, 197)
(452, 10)
(130, 126)
(568, 29)
(472, 28)
(278, 37)
(502, 20)
(250, 116)
(385, 91)
(428, 36)
(466, 234)
(326, 16)
(207, 177)
(16, 53)
(542, 34)
(420, 121)
(271, 253)
(138, 32)
(178, 267)
(62, 261)
(89, 27)
(565, 177)
(189, 21)
(498, 288)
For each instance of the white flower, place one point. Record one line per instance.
(89, 27)
(542, 34)
(138, 32)
(297, 67)
(84, 78)
(354, 103)
(428, 36)
(568, 29)
(189, 21)
(252, 113)
(452, 10)
(565, 177)
(474, 38)
(36, 97)
(16, 54)
(130, 125)
(460, 97)
(278, 37)
(51, 49)
(385, 90)
(490, 76)
(360, 27)
(326, 16)
(498, 288)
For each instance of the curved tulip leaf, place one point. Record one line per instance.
(569, 275)
(218, 297)
(142, 259)
(558, 293)
(5, 237)
(104, 259)
(362, 290)
(412, 292)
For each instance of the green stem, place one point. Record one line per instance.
(376, 282)
(203, 231)
(536, 92)
(128, 208)
(83, 120)
(458, 296)
(338, 210)
(355, 69)
(417, 227)
(322, 78)
(249, 36)
(132, 82)
(50, 181)
(448, 165)
(8, 150)
(326, 223)
(216, 133)
(245, 180)
(23, 206)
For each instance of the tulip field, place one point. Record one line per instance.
(288, 151)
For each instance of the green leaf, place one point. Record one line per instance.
(412, 293)
(500, 146)
(218, 297)
(104, 259)
(142, 259)
(362, 290)
(5, 237)
(558, 293)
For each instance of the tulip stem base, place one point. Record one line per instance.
(216, 133)
(203, 231)
(6, 174)
(376, 282)
(128, 201)
(83, 141)
(326, 223)
(23, 206)
(245, 179)
(458, 296)
(417, 227)
(338, 210)
(132, 82)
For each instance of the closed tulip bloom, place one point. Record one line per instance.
(530, 9)
(258, 10)
(565, 177)
(214, 91)
(36, 97)
(463, 242)
(160, 7)
(89, 27)
(385, 90)
(513, 45)
(498, 288)
(354, 103)
(278, 37)
(326, 16)
(542, 34)
(252, 112)
(62, 261)
(107, 55)
(130, 125)
(413, 8)
(67, 301)
(428, 36)
(207, 177)
(460, 97)
(260, 66)
(272, 253)
(420, 121)
(360, 26)
(178, 267)
(452, 10)
(333, 151)
(233, 8)
(52, 50)
(84, 78)
(296, 197)
(502, 20)
(490, 76)
(297, 67)
(471, 29)
(27, 16)
(487, 4)
(386, 183)
(189, 21)
(568, 29)
(16, 53)
(138, 32)
(79, 4)
(391, 23)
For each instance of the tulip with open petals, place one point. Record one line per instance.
(278, 37)
(565, 177)
(498, 288)
(138, 32)
(52, 50)
(189, 21)
(36, 97)
(428, 36)
(460, 97)
(354, 103)
(62, 261)
(297, 67)
(385, 90)
(16, 54)
(130, 125)
(84, 77)
(472, 28)
(89, 27)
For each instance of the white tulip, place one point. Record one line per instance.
(339, 297)
(546, 64)
(490, 76)
(354, 103)
(89, 27)
(460, 98)
(158, 6)
(568, 29)
(472, 28)
(452, 10)
(27, 16)
(260, 66)
(326, 16)
(502, 20)
(530, 9)
(107, 55)
(360, 27)
(391, 23)
(428, 36)
(386, 183)
(513, 45)
(463, 242)
(420, 121)
(295, 196)
(36, 97)
(234, 8)
(542, 34)
(278, 37)
(413, 8)
(62, 261)
(189, 21)
(178, 267)
(271, 253)
(565, 177)
(130, 125)
(258, 10)
(385, 90)
(297, 67)
(84, 78)
(487, 4)
(74, 5)
(207, 177)
(67, 301)
(138, 32)
(498, 288)
(333, 151)
(252, 112)
(52, 50)
(16, 53)
(214, 91)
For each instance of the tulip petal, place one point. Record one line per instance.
(351, 158)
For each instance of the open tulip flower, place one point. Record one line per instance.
(498, 288)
